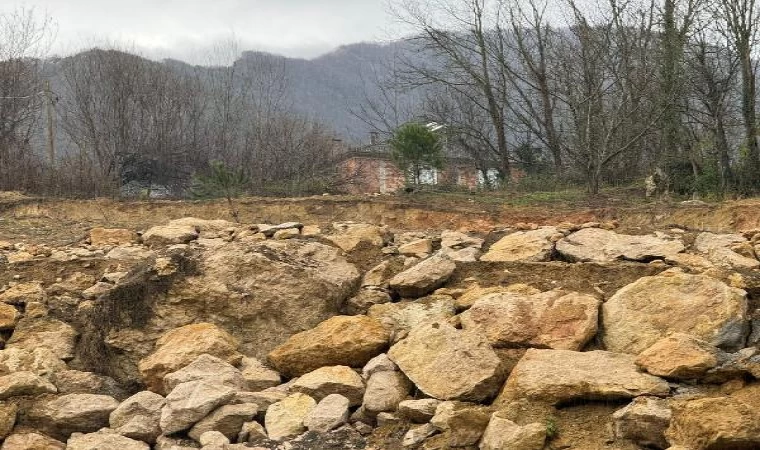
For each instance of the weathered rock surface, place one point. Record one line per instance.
(353, 236)
(23, 293)
(100, 237)
(31, 441)
(720, 423)
(598, 245)
(190, 402)
(41, 361)
(424, 277)
(557, 376)
(651, 308)
(447, 364)
(503, 434)
(24, 383)
(678, 356)
(169, 234)
(67, 414)
(526, 246)
(286, 418)
(365, 299)
(9, 316)
(8, 414)
(181, 346)
(104, 440)
(330, 413)
(462, 424)
(257, 376)
(385, 390)
(138, 416)
(228, 420)
(206, 367)
(399, 318)
(79, 382)
(555, 319)
(341, 340)
(324, 381)
(214, 439)
(58, 336)
(643, 421)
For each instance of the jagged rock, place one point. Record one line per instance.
(77, 382)
(166, 235)
(341, 340)
(138, 416)
(419, 248)
(385, 390)
(678, 356)
(643, 421)
(352, 236)
(8, 413)
(24, 383)
(214, 439)
(720, 423)
(457, 240)
(698, 305)
(41, 361)
(251, 432)
(503, 434)
(58, 336)
(462, 424)
(104, 440)
(554, 319)
(417, 435)
(286, 418)
(228, 420)
(399, 318)
(380, 363)
(558, 376)
(364, 300)
(257, 376)
(72, 413)
(447, 364)
(100, 237)
(190, 402)
(324, 381)
(330, 413)
(23, 293)
(527, 246)
(181, 346)
(598, 245)
(31, 441)
(206, 367)
(9, 316)
(418, 411)
(424, 277)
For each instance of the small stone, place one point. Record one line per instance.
(324, 381)
(138, 417)
(227, 420)
(330, 413)
(417, 435)
(385, 390)
(213, 439)
(643, 421)
(190, 402)
(206, 367)
(503, 434)
(285, 418)
(418, 411)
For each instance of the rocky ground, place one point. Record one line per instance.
(206, 334)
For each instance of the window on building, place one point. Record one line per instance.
(493, 177)
(428, 175)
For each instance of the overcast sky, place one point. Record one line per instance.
(186, 29)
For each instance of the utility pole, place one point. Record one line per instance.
(50, 124)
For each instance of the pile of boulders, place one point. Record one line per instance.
(271, 336)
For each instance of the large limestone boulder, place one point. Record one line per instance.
(138, 416)
(31, 441)
(24, 383)
(324, 381)
(449, 364)
(100, 237)
(206, 367)
(286, 418)
(227, 419)
(424, 277)
(385, 390)
(555, 319)
(104, 440)
(180, 347)
(598, 245)
(651, 308)
(330, 413)
(31, 333)
(558, 376)
(354, 236)
(678, 356)
(503, 434)
(169, 235)
(190, 402)
(72, 413)
(339, 341)
(643, 421)
(719, 423)
(527, 246)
